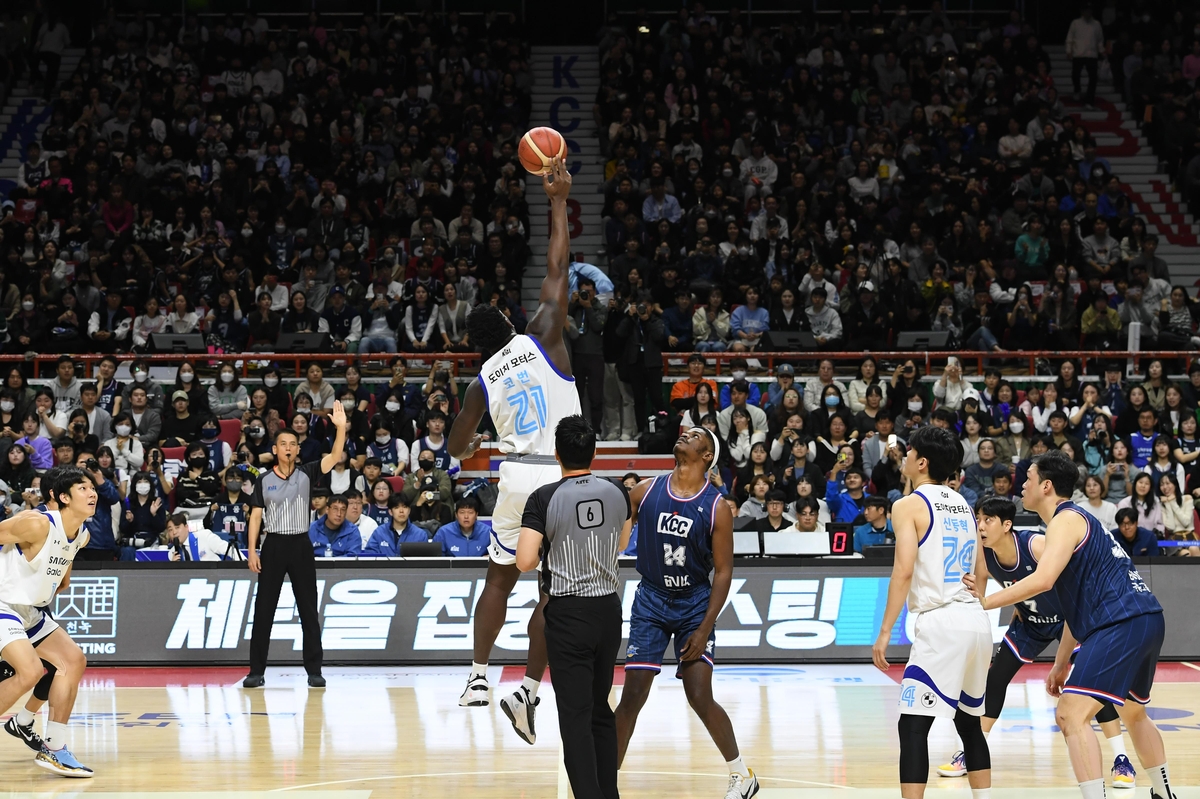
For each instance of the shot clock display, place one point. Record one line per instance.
(841, 539)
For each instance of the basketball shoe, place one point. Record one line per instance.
(742, 787)
(520, 710)
(477, 693)
(62, 763)
(1123, 775)
(957, 767)
(26, 734)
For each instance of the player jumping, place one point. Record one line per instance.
(1109, 610)
(525, 384)
(685, 531)
(936, 544)
(37, 549)
(1012, 555)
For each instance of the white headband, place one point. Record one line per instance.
(716, 445)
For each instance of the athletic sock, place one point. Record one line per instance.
(56, 735)
(1117, 742)
(479, 670)
(1161, 781)
(1092, 789)
(981, 793)
(531, 687)
(738, 766)
(25, 717)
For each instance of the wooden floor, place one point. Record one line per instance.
(808, 732)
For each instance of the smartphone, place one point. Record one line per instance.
(842, 456)
(892, 440)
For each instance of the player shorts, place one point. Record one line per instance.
(948, 664)
(656, 616)
(517, 481)
(19, 622)
(1118, 661)
(1027, 641)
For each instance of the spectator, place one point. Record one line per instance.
(429, 492)
(877, 527)
(386, 540)
(748, 323)
(1144, 500)
(181, 426)
(774, 520)
(145, 516)
(711, 325)
(1137, 541)
(332, 535)
(466, 536)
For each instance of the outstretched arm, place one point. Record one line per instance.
(547, 324)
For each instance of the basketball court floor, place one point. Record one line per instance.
(810, 732)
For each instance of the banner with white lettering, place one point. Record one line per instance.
(410, 615)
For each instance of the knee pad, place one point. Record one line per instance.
(41, 691)
(914, 747)
(975, 748)
(1107, 713)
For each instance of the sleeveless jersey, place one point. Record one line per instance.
(1041, 612)
(676, 554)
(34, 583)
(1100, 585)
(946, 551)
(526, 396)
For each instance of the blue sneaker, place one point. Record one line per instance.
(1123, 775)
(62, 763)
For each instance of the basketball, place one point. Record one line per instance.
(538, 146)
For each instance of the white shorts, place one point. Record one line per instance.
(948, 665)
(23, 622)
(517, 481)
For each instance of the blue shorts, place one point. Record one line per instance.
(1118, 661)
(1027, 641)
(656, 616)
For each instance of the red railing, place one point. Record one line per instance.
(930, 361)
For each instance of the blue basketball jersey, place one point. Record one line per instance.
(1040, 612)
(1100, 585)
(674, 548)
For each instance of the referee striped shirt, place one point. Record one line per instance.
(287, 501)
(580, 518)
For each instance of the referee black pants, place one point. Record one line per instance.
(583, 635)
(286, 556)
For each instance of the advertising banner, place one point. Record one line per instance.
(406, 614)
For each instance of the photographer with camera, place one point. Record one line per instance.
(640, 364)
(102, 544)
(145, 515)
(589, 315)
(428, 492)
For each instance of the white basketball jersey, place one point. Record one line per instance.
(34, 582)
(946, 551)
(526, 396)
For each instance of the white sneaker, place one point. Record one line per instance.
(520, 712)
(742, 787)
(477, 693)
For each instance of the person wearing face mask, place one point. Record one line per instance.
(155, 396)
(230, 510)
(220, 454)
(198, 485)
(389, 449)
(128, 453)
(428, 492)
(227, 398)
(737, 371)
(278, 398)
(408, 395)
(1013, 446)
(435, 441)
(185, 381)
(144, 517)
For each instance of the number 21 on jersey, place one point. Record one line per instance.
(530, 404)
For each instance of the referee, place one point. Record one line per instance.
(280, 506)
(575, 527)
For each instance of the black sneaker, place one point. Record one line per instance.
(316, 681)
(26, 734)
(254, 681)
